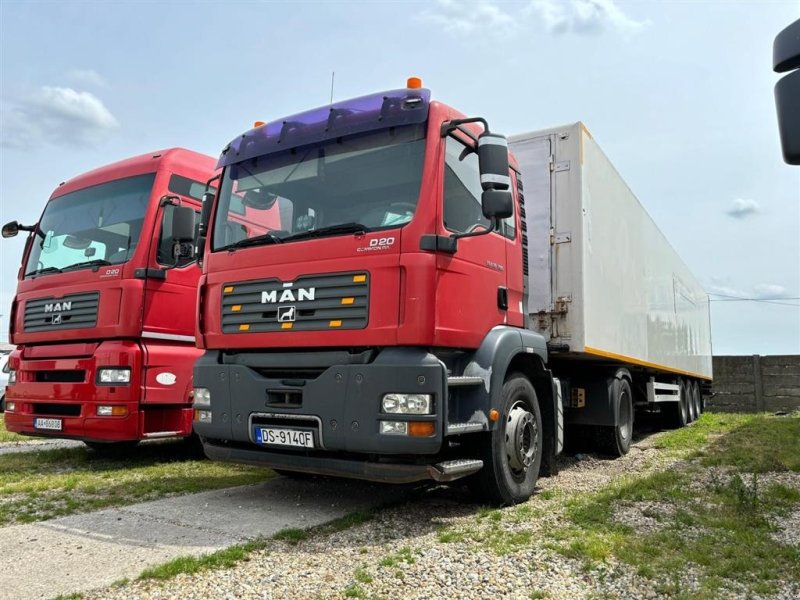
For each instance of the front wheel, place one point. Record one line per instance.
(512, 453)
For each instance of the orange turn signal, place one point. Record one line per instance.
(421, 428)
(494, 415)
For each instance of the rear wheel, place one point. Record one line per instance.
(676, 414)
(512, 453)
(616, 440)
(691, 394)
(697, 399)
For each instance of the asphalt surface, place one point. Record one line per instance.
(90, 551)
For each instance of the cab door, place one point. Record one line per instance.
(471, 292)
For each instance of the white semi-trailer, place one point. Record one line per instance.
(606, 287)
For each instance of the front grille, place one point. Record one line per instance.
(311, 302)
(56, 314)
(60, 376)
(57, 410)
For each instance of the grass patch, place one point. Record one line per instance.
(291, 535)
(717, 522)
(687, 441)
(35, 486)
(192, 564)
(7, 436)
(762, 444)
(405, 555)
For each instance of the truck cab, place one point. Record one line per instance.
(352, 338)
(103, 317)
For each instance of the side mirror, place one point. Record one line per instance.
(786, 57)
(183, 224)
(10, 229)
(493, 161)
(497, 204)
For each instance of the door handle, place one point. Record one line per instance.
(502, 298)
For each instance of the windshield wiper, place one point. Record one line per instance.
(266, 238)
(97, 262)
(342, 228)
(43, 271)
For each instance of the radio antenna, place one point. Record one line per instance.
(333, 74)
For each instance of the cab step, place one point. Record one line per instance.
(450, 470)
(464, 380)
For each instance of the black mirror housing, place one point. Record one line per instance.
(183, 224)
(497, 204)
(786, 59)
(10, 229)
(493, 161)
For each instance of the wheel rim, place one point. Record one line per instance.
(624, 415)
(522, 438)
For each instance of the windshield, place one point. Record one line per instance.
(99, 225)
(346, 185)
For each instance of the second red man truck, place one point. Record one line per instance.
(432, 306)
(104, 318)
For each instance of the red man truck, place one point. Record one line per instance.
(103, 318)
(432, 306)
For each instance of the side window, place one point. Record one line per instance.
(164, 254)
(462, 189)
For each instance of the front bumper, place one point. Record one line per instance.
(64, 387)
(340, 403)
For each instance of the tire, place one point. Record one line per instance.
(3, 404)
(112, 448)
(512, 453)
(692, 405)
(616, 440)
(676, 414)
(697, 399)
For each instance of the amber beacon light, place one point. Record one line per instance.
(414, 83)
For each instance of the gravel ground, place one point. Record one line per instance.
(36, 445)
(441, 546)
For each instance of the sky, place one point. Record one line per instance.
(678, 95)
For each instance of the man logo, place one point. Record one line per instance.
(286, 314)
(56, 319)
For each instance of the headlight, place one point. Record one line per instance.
(113, 376)
(394, 427)
(11, 406)
(202, 397)
(407, 404)
(12, 376)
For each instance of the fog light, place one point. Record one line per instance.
(112, 411)
(114, 376)
(407, 404)
(202, 416)
(394, 427)
(201, 397)
(421, 428)
(11, 406)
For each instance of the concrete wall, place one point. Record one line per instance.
(756, 383)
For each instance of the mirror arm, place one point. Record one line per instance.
(449, 127)
(169, 199)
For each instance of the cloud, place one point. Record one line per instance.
(718, 286)
(59, 116)
(585, 17)
(579, 17)
(466, 17)
(743, 208)
(86, 77)
(769, 291)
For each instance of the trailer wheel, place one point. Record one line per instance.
(691, 393)
(676, 414)
(616, 440)
(697, 399)
(512, 453)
